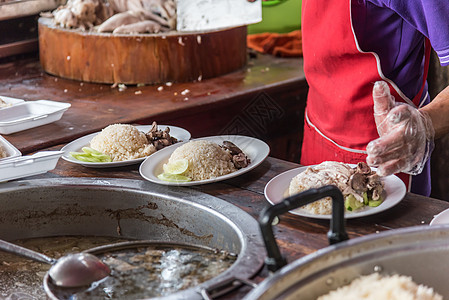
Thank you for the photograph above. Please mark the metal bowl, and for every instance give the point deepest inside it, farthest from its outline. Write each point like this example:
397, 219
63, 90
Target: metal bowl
421, 252
135, 210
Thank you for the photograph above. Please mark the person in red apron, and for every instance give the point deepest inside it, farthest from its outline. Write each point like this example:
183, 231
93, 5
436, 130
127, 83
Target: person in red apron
362, 58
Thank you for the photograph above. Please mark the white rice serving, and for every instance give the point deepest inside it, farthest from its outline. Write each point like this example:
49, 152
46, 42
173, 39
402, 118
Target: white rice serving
206, 160
122, 142
375, 287
328, 172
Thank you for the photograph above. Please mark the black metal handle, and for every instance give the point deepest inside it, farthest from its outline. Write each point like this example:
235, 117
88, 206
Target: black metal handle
223, 287
337, 232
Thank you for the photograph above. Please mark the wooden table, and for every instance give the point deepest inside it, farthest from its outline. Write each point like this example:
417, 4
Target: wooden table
297, 236
95, 106
265, 100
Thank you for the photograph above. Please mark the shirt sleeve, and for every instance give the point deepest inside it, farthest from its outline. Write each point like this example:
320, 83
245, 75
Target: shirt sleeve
430, 17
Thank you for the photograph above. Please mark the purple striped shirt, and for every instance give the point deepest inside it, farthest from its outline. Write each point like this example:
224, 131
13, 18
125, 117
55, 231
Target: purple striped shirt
395, 30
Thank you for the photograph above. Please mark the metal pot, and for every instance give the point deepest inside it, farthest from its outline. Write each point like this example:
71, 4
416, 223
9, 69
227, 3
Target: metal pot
421, 252
135, 210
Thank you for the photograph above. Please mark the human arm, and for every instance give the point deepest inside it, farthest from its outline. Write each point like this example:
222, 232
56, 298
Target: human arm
406, 133
438, 110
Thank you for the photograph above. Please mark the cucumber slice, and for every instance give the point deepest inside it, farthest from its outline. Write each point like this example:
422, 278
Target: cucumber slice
365, 198
351, 203
90, 155
374, 203
173, 177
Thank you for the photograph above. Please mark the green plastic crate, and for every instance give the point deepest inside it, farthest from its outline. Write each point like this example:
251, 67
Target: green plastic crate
280, 16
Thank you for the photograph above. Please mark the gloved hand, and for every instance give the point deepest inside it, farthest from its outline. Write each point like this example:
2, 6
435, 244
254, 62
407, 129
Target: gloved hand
406, 135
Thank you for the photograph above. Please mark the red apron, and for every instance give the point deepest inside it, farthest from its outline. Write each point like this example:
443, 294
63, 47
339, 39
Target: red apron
339, 115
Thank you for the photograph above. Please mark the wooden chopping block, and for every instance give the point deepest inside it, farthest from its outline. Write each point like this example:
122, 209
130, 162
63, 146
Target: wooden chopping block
140, 58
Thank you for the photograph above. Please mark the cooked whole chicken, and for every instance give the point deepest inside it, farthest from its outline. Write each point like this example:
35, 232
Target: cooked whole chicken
118, 16
82, 14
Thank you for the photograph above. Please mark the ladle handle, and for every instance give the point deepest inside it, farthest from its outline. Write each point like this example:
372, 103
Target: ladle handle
15, 249
337, 232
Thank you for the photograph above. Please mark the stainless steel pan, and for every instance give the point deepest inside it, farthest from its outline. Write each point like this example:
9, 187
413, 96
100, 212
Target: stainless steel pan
133, 209
421, 252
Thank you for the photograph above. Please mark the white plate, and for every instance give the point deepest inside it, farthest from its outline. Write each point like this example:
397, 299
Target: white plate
30, 114
277, 189
255, 149
441, 218
76, 146
11, 101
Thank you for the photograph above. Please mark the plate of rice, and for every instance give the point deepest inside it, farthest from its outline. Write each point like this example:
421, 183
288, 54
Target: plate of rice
293, 181
204, 160
122, 144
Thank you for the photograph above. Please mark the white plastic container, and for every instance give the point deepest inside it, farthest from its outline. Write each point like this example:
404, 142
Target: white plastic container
10, 101
30, 114
10, 150
24, 166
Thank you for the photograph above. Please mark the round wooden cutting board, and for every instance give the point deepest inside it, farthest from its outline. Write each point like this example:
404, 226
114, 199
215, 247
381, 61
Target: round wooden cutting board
140, 58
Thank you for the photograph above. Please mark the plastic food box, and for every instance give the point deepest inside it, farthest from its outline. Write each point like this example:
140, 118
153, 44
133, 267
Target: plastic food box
10, 101
30, 114
24, 166
10, 150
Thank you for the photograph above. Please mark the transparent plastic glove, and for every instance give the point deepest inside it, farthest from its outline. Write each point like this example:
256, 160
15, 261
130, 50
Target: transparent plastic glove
406, 135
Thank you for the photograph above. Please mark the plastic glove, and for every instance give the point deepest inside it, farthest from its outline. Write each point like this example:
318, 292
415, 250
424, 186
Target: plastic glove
406, 135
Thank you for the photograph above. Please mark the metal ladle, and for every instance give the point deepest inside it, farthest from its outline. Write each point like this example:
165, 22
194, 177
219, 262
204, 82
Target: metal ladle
73, 270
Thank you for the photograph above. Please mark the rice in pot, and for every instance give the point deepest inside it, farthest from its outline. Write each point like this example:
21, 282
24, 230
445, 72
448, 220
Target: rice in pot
206, 160
122, 142
375, 287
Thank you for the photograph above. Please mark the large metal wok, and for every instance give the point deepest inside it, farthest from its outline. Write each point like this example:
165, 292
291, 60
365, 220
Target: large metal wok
133, 209
421, 252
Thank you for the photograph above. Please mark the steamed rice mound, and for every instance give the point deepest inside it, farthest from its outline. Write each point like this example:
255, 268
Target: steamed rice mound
206, 160
122, 142
376, 287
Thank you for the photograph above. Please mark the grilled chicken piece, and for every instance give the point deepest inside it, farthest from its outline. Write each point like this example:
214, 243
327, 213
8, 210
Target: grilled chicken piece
239, 159
231, 147
160, 138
